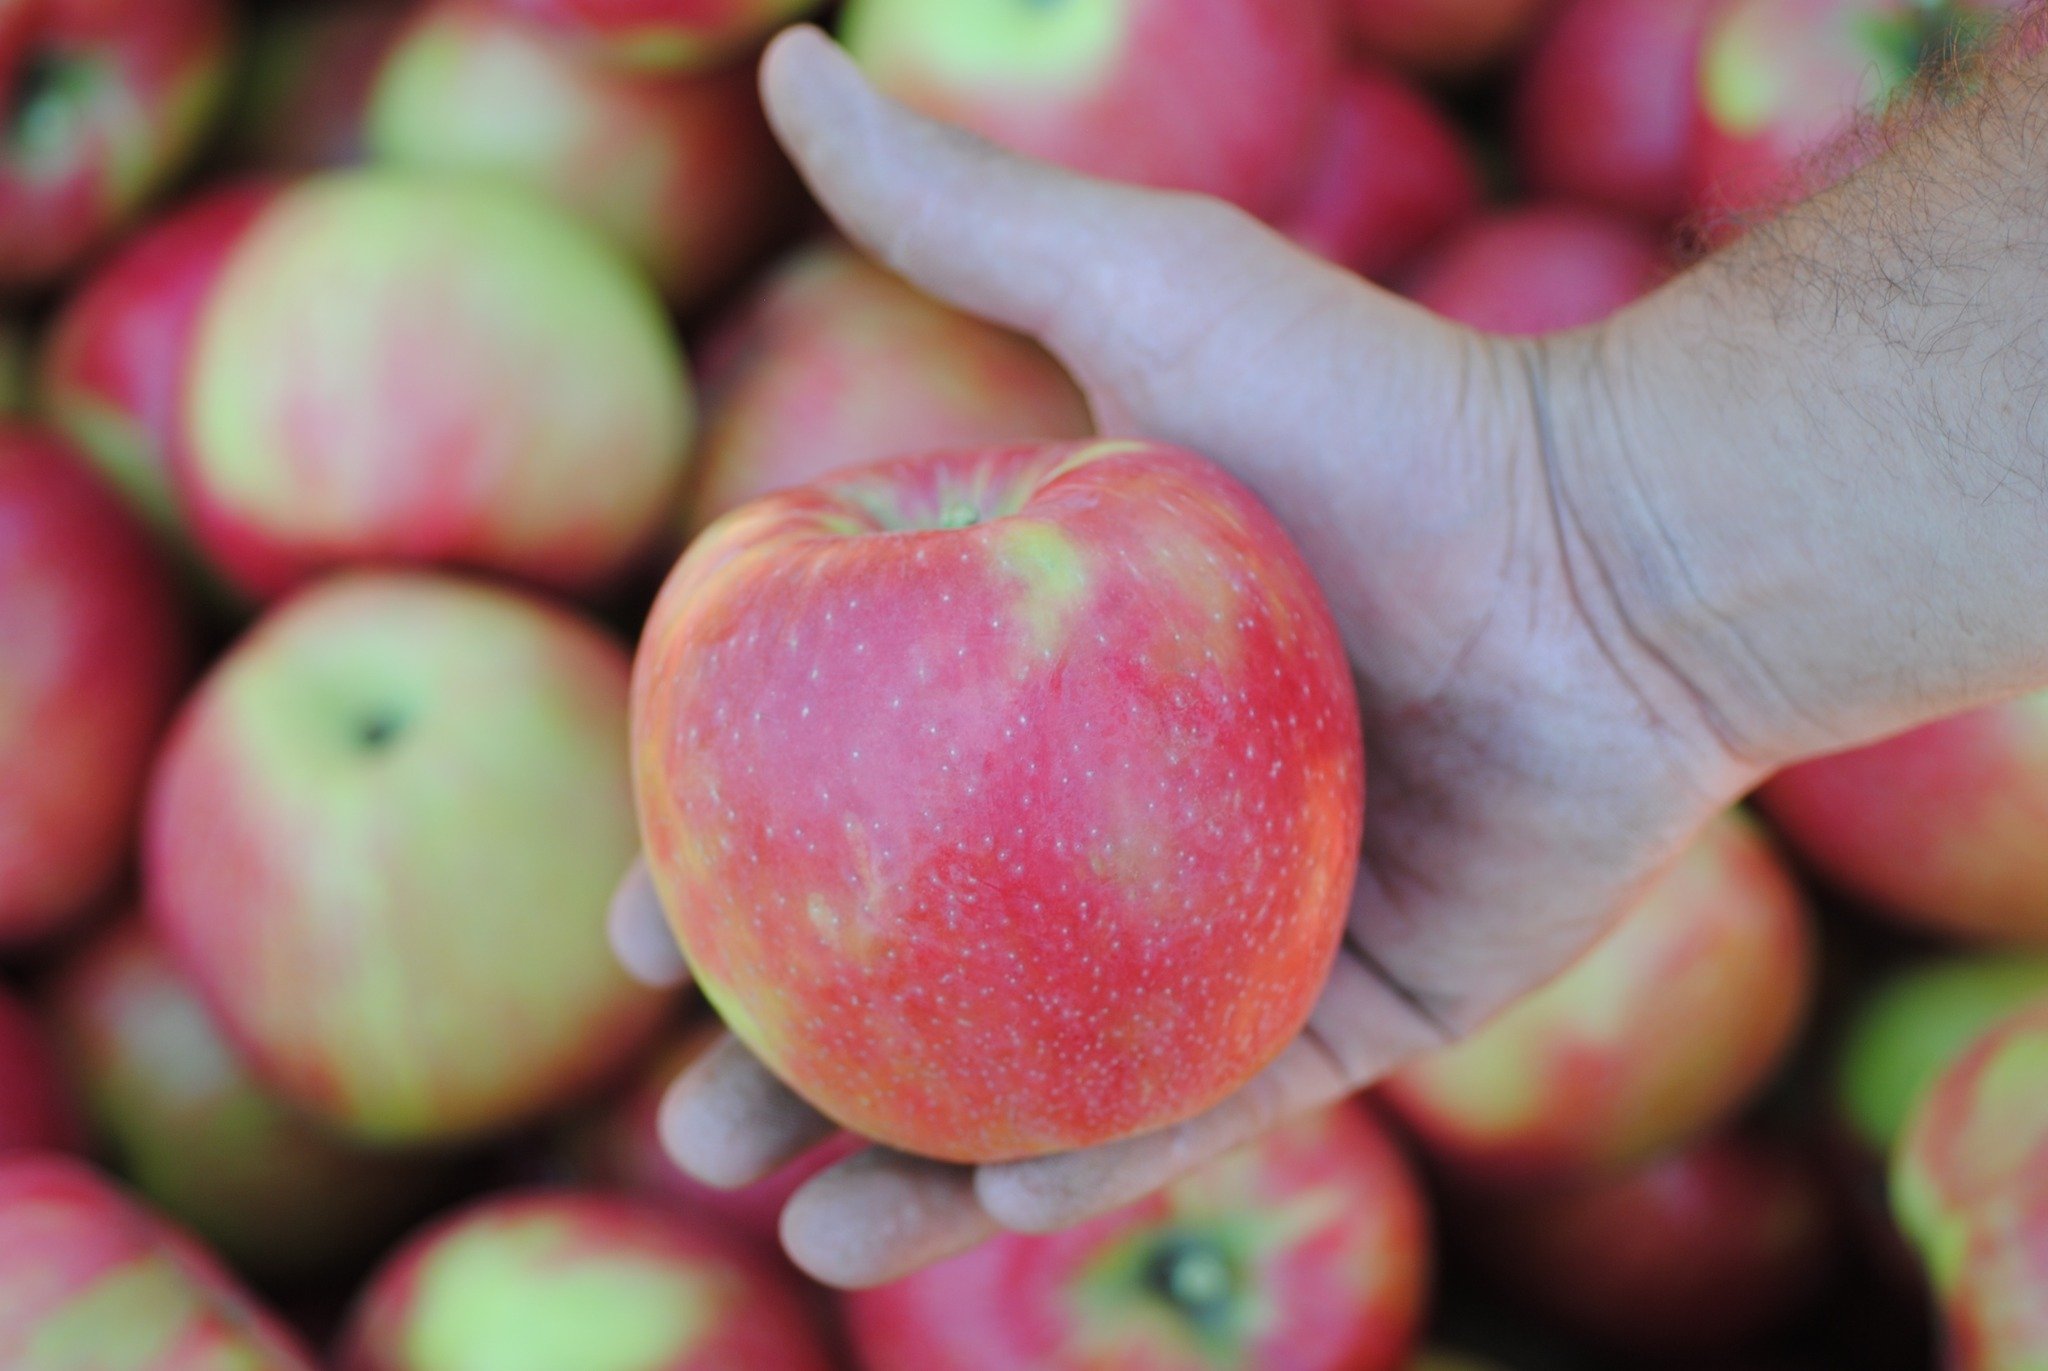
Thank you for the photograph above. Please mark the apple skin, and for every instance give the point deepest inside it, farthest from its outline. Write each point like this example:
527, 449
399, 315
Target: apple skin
1392, 176
1308, 1249
548, 1279
1605, 107
833, 362
1441, 37
1669, 1024
678, 172
1223, 97
1066, 802
89, 1279
620, 1147
305, 91
108, 99
112, 373
1540, 268
1970, 1186
393, 368
1694, 1252
664, 35
1939, 827
380, 841
200, 1138
96, 654
36, 1109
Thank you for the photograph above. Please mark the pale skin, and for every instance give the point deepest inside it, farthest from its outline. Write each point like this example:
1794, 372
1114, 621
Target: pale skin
1594, 586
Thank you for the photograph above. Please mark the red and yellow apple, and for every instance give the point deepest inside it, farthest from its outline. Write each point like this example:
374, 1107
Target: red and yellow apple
1308, 1249
200, 1138
95, 655
1698, 1251
105, 100
36, 1109
1441, 37
90, 1281
1970, 1184
380, 842
305, 90
833, 362
664, 35
398, 368
1667, 1026
679, 172
1003, 802
1604, 110
1940, 827
1391, 176
1540, 268
559, 1279
1225, 97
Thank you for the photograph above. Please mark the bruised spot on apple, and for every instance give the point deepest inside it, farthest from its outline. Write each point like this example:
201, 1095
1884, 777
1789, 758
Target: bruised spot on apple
1307, 1249
1003, 802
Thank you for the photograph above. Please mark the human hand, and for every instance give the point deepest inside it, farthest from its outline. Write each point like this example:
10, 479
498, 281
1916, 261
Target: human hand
1533, 758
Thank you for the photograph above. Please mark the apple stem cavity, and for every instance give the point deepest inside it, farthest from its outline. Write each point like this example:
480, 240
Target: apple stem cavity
1195, 1277
48, 85
378, 730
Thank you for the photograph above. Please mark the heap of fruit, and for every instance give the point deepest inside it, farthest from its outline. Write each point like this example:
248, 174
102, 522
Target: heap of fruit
1005, 801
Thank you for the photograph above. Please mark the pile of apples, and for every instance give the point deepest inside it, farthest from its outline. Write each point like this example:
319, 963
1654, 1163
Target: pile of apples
365, 366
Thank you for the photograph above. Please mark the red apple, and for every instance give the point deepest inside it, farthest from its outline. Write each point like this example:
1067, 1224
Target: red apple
1226, 97
664, 35
1604, 111
36, 1111
1970, 1183
400, 368
679, 172
1695, 1252
380, 842
305, 89
1441, 37
1308, 1250
1541, 268
1065, 796
1667, 1026
95, 656
620, 1147
561, 1279
89, 1281
200, 1138
113, 371
833, 362
1940, 827
1392, 175
105, 100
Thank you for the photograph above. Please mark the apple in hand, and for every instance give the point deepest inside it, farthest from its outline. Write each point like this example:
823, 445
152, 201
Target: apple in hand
1441, 37
1308, 1249
305, 89
1540, 268
1667, 1026
1970, 1184
112, 373
833, 362
1225, 97
1941, 827
620, 1147
95, 655
1694, 1252
1604, 110
1004, 802
90, 1281
200, 1138
36, 1110
105, 100
381, 841
560, 1279
664, 35
397, 368
679, 172
1390, 176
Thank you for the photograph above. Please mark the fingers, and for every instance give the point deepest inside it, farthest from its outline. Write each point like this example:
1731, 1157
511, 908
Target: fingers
640, 935
879, 1215
729, 1122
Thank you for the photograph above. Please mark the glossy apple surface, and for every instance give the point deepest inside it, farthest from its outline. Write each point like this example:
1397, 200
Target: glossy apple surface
1540, 268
